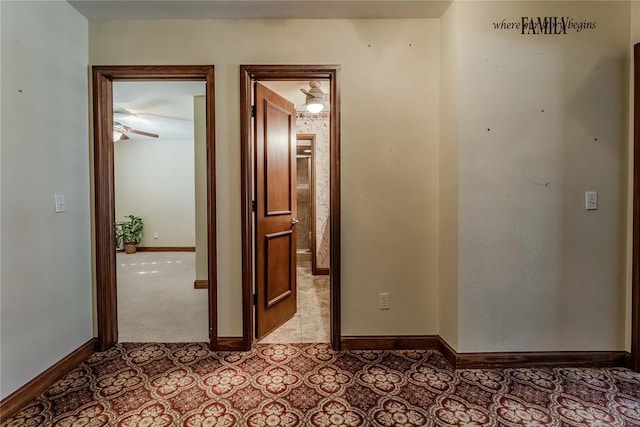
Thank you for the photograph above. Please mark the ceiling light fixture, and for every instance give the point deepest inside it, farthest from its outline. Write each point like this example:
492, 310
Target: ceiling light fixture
315, 97
117, 135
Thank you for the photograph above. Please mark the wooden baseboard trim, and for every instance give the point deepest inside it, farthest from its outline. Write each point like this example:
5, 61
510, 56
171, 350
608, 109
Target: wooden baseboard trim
230, 344
387, 342
592, 359
166, 249
201, 284
13, 403
532, 359
320, 271
448, 352
596, 359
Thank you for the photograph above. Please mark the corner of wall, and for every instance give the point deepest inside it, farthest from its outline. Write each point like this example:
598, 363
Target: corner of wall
448, 181
634, 38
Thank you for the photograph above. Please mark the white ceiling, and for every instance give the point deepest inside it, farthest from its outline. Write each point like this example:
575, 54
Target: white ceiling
291, 91
96, 10
164, 108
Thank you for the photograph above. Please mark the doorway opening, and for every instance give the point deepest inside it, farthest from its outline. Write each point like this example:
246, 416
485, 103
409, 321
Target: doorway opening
106, 239
313, 209
309, 322
160, 180
276, 175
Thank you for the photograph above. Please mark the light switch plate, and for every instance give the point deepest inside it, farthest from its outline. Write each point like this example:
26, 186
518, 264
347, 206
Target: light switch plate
60, 203
591, 200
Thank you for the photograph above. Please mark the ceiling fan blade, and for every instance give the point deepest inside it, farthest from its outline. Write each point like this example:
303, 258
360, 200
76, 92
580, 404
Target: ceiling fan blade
143, 133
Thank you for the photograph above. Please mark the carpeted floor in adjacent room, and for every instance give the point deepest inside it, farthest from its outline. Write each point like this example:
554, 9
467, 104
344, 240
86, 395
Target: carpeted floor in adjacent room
311, 385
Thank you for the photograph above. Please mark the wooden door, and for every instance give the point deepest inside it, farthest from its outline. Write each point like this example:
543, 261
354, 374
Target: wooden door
275, 256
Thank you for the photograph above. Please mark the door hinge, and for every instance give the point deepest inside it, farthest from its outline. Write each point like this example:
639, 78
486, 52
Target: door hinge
253, 111
255, 299
253, 206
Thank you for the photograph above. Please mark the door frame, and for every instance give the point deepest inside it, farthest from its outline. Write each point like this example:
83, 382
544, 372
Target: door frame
104, 188
311, 137
249, 73
635, 254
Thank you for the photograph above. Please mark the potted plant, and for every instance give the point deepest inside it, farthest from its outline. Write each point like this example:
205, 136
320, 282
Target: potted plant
130, 233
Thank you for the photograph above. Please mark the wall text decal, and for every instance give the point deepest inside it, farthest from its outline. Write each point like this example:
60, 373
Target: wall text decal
549, 25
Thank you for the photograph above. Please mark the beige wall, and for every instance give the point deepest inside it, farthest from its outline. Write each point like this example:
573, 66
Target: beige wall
634, 38
154, 179
448, 176
46, 304
389, 155
537, 271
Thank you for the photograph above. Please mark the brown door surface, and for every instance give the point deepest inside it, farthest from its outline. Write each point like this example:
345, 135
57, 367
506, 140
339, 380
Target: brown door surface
275, 156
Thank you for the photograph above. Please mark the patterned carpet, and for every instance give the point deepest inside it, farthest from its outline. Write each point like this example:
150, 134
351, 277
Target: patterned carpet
311, 385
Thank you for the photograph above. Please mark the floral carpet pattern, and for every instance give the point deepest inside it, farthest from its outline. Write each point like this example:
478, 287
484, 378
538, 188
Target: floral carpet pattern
311, 385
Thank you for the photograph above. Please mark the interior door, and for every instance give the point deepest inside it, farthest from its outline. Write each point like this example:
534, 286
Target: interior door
275, 255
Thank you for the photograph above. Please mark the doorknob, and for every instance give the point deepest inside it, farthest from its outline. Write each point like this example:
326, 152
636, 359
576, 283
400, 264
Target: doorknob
294, 221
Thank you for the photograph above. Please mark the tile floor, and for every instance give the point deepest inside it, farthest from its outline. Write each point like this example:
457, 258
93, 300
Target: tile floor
311, 322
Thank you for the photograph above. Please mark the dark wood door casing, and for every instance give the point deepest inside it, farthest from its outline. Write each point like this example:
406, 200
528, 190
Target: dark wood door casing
248, 74
312, 185
635, 274
275, 152
104, 194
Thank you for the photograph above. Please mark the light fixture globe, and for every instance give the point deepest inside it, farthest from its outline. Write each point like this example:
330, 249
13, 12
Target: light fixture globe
117, 135
315, 107
315, 97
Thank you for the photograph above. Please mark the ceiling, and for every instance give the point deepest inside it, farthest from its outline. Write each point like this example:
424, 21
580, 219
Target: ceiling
166, 108
291, 91
100, 10
162, 107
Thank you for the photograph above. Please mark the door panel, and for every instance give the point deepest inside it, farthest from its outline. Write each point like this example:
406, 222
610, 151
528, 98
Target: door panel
275, 151
278, 275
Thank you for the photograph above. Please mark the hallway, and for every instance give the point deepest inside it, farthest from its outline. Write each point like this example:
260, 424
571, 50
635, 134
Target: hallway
311, 322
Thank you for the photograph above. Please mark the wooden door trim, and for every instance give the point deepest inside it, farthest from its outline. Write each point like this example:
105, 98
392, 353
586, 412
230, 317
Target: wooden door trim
311, 137
104, 196
635, 255
288, 72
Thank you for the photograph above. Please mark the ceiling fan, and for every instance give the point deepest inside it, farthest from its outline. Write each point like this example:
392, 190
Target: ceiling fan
120, 131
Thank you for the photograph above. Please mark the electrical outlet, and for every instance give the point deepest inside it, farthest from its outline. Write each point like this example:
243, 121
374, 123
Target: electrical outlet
155, 235
383, 301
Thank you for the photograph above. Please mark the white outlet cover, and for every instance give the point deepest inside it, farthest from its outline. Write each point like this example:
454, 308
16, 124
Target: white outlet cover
383, 301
